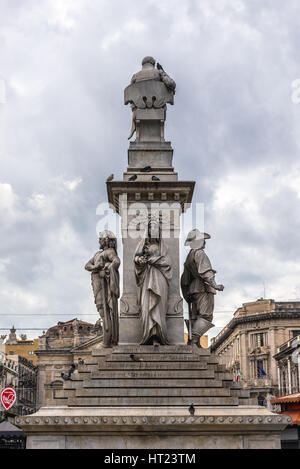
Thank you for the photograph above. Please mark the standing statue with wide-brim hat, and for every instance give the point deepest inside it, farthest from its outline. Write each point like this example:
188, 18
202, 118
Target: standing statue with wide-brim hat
198, 286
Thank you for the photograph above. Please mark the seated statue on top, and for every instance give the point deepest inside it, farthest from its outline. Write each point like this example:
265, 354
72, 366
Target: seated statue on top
150, 88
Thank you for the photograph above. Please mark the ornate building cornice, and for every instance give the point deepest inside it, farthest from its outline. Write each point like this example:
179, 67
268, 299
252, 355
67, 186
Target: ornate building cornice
294, 314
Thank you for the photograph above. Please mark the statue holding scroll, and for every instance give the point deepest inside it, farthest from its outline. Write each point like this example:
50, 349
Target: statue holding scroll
153, 273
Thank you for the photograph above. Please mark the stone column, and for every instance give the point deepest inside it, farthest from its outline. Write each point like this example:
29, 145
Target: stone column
272, 362
130, 324
299, 372
245, 365
41, 381
289, 376
149, 181
279, 379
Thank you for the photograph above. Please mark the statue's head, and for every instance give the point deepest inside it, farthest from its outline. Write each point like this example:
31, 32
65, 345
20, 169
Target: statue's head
153, 228
107, 239
148, 61
196, 239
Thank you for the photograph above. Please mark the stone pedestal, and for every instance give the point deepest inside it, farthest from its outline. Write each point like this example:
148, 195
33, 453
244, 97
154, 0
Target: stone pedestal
160, 428
116, 402
139, 199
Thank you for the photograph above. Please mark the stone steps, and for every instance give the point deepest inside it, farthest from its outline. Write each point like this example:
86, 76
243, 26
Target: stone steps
89, 362
152, 401
154, 392
153, 374
224, 376
241, 393
65, 394
145, 365
150, 357
102, 352
163, 375
150, 349
152, 383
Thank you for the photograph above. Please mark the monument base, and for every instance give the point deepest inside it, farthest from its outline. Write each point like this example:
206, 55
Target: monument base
245, 427
131, 330
135, 397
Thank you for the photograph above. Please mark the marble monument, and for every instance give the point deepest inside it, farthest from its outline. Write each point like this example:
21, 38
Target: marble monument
144, 387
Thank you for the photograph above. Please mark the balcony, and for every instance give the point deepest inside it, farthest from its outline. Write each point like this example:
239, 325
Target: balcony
258, 382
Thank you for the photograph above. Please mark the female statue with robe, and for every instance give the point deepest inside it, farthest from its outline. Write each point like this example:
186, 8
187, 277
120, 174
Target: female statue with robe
105, 283
153, 273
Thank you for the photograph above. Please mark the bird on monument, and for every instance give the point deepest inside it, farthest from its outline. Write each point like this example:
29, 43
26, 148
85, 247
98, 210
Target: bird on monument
110, 178
155, 178
133, 178
80, 361
147, 169
134, 358
192, 409
67, 377
159, 67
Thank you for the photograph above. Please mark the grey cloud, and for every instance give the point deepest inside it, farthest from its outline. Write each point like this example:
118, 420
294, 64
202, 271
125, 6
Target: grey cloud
66, 64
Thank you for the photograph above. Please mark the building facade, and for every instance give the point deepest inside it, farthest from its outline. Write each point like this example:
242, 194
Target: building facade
288, 366
248, 343
288, 402
59, 348
22, 346
21, 374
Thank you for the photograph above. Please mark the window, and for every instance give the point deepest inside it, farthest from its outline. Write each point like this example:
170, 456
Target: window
31, 352
11, 352
284, 386
259, 340
295, 333
261, 373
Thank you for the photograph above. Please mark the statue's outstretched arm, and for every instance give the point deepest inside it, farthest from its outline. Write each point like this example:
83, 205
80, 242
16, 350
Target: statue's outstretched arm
209, 278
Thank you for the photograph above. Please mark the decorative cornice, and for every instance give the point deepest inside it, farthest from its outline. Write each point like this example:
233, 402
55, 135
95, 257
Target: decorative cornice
254, 318
181, 191
32, 421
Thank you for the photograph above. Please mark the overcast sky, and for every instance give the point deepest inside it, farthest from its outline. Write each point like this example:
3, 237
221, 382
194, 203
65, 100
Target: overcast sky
63, 129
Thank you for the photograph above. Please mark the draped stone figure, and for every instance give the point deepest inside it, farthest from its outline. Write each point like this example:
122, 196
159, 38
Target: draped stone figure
105, 283
153, 273
198, 286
